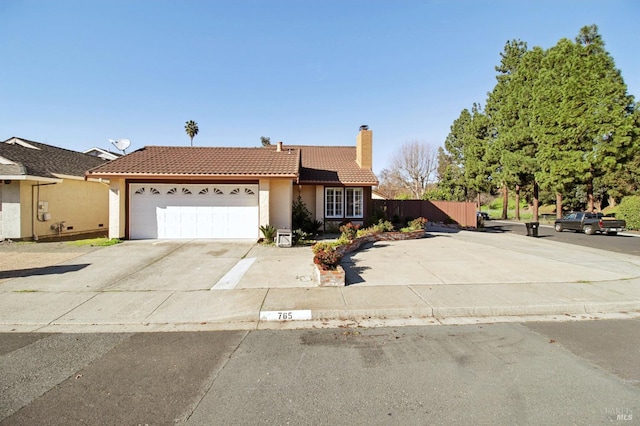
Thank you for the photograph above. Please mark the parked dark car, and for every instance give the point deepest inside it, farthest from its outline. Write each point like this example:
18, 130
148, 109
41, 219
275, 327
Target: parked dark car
590, 223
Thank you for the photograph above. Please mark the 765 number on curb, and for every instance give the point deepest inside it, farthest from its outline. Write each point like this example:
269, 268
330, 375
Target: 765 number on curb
285, 315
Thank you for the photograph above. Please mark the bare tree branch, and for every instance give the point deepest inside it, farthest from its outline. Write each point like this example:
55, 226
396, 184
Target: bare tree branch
413, 167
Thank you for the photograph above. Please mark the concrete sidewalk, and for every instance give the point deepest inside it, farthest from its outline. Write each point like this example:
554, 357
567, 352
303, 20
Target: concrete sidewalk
447, 278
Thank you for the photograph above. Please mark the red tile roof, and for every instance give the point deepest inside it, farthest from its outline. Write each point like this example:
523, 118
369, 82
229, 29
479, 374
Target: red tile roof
309, 164
333, 164
170, 161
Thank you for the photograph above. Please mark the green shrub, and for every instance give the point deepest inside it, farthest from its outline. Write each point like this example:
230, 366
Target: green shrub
299, 236
343, 240
324, 246
302, 219
629, 210
349, 231
315, 225
333, 227
377, 216
364, 231
269, 232
417, 224
381, 226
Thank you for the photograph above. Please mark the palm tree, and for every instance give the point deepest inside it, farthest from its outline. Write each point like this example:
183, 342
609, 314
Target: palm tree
191, 127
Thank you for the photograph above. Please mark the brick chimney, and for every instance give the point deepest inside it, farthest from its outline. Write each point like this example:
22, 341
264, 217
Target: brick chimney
364, 148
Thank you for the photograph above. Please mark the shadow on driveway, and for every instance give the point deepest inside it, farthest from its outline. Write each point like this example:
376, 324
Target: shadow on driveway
351, 270
47, 270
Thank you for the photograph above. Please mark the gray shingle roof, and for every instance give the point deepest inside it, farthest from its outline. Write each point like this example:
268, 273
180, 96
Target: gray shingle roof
45, 160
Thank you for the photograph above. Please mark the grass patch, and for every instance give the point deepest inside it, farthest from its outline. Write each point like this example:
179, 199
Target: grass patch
25, 291
95, 242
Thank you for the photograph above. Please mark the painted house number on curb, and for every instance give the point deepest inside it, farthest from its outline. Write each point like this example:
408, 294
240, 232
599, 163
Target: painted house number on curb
285, 315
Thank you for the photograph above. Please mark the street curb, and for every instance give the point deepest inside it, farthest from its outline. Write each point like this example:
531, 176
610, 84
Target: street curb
331, 318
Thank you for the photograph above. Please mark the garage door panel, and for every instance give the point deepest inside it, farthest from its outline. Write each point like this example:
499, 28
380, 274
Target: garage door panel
243, 220
193, 211
204, 221
187, 221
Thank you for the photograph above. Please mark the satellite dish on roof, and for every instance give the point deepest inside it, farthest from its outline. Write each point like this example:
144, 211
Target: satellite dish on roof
121, 144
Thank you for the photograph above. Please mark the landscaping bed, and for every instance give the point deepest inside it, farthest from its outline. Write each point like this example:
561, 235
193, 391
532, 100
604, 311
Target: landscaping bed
327, 255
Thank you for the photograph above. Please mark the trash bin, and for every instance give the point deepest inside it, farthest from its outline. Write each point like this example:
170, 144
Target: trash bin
532, 229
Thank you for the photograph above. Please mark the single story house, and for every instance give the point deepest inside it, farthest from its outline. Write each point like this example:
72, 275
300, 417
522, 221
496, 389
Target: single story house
216, 192
102, 153
44, 192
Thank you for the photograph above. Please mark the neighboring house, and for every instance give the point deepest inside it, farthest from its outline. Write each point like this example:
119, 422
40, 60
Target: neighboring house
211, 192
44, 193
377, 195
102, 153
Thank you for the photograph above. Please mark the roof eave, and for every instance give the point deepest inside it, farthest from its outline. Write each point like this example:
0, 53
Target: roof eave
189, 176
30, 178
334, 182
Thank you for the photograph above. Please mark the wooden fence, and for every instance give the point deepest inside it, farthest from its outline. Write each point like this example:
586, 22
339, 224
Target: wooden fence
464, 214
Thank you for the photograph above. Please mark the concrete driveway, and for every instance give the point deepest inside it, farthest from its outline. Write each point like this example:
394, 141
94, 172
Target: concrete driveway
190, 265
149, 265
153, 265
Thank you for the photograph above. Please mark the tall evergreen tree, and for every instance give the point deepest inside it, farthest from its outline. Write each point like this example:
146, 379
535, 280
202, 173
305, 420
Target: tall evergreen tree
508, 107
452, 175
584, 115
476, 141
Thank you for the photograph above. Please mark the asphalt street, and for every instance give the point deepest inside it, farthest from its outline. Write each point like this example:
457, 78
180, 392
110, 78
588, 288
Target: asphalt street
627, 243
583, 373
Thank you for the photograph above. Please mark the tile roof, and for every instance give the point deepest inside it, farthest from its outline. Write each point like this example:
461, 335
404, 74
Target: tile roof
171, 161
45, 160
311, 164
333, 164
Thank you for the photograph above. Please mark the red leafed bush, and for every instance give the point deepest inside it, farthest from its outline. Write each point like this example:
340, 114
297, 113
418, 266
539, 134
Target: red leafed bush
327, 259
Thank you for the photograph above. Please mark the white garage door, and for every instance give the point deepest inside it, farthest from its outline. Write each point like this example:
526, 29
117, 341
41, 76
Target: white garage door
193, 211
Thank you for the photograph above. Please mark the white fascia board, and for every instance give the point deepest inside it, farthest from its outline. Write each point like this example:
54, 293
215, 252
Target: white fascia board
21, 142
6, 161
69, 177
99, 180
27, 177
82, 178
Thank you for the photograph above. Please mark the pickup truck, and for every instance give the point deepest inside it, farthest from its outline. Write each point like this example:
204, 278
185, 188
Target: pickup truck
590, 223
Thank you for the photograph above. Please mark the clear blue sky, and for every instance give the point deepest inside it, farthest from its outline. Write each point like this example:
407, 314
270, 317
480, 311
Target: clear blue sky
76, 73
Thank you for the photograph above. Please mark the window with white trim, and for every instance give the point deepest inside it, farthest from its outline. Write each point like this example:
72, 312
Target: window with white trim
354, 199
333, 202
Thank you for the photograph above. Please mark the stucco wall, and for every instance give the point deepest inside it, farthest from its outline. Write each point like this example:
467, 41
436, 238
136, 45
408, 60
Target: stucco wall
10, 209
308, 193
280, 202
264, 202
81, 205
117, 208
